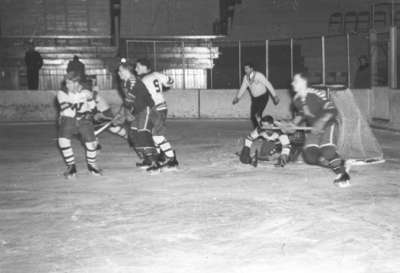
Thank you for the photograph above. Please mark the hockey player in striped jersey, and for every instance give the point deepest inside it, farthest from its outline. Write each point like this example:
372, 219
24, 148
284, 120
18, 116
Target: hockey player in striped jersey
314, 108
155, 83
278, 143
76, 114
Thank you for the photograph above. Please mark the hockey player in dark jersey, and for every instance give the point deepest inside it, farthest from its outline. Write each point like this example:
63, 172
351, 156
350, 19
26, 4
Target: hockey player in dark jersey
138, 102
314, 108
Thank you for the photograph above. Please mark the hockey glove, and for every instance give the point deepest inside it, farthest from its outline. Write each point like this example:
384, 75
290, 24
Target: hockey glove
245, 155
287, 127
118, 120
275, 100
100, 117
282, 160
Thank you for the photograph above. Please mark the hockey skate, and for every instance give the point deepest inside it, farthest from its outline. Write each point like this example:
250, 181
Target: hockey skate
94, 170
282, 161
171, 164
154, 168
70, 172
342, 180
146, 163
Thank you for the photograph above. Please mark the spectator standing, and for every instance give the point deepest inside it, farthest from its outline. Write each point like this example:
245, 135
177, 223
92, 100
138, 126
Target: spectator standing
34, 62
76, 66
363, 73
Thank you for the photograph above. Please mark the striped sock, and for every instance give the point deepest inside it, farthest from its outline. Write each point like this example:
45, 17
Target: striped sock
164, 145
66, 150
91, 152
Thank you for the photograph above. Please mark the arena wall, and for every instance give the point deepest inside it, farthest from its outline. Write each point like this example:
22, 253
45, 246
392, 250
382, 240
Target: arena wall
24, 105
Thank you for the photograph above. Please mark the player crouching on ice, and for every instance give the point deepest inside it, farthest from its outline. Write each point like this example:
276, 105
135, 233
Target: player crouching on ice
76, 117
276, 145
314, 107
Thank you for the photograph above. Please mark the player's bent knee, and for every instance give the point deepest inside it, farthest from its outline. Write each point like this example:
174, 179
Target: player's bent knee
158, 139
91, 145
329, 152
64, 142
311, 155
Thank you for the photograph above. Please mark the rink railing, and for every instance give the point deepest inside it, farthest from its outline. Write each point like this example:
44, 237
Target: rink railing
329, 59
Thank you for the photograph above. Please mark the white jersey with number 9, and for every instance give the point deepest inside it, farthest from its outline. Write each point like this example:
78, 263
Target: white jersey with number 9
155, 82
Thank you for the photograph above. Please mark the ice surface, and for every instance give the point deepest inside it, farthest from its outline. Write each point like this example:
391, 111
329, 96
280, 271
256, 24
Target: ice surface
214, 215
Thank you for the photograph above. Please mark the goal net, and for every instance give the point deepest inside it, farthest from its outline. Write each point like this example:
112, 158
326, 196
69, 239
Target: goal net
356, 139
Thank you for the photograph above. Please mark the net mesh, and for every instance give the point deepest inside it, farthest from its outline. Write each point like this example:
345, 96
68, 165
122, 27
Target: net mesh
356, 139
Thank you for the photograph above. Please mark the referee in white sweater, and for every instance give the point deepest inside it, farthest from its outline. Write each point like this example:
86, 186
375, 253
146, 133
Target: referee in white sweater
260, 89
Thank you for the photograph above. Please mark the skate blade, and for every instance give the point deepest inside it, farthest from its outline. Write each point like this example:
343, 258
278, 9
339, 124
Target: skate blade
342, 184
154, 172
169, 169
70, 176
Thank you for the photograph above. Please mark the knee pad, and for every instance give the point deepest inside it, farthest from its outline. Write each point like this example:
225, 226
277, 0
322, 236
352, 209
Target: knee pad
158, 139
64, 142
91, 146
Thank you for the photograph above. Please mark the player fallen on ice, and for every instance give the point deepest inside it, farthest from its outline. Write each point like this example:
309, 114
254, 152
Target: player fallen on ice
314, 108
156, 83
138, 102
76, 117
275, 146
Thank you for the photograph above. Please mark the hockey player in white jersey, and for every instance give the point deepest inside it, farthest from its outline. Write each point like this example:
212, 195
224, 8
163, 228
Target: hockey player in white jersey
76, 113
155, 83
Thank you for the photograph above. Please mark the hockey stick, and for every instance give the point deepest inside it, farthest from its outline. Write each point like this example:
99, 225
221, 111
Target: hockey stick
102, 128
106, 125
296, 128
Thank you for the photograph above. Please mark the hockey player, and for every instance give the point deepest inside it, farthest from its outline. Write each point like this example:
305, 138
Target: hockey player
138, 102
155, 83
76, 113
318, 111
275, 140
